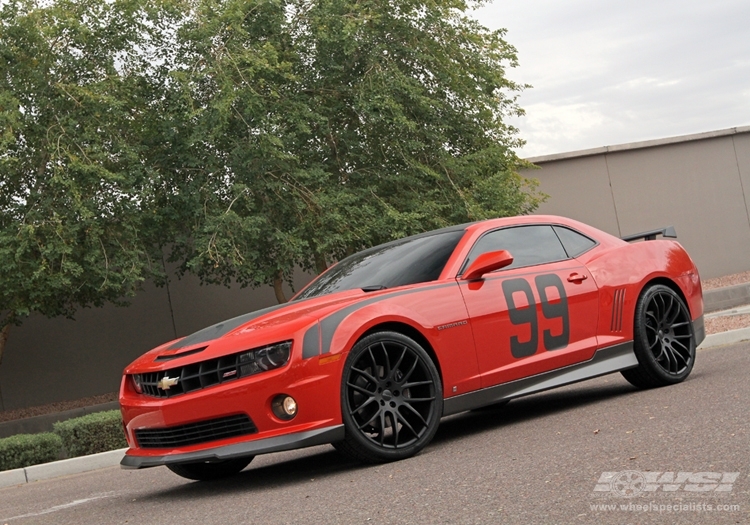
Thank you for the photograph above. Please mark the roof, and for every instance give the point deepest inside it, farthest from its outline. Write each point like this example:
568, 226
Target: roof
640, 145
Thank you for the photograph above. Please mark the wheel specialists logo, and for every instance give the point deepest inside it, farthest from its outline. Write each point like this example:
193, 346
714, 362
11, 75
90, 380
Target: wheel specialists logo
632, 483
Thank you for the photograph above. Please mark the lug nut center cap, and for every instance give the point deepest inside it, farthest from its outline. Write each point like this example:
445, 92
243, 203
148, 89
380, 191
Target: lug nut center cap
387, 395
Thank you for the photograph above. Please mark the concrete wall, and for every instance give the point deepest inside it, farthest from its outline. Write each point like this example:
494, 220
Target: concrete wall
699, 184
50, 360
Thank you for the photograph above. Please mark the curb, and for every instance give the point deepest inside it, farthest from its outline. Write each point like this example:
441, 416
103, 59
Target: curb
726, 297
63, 467
725, 338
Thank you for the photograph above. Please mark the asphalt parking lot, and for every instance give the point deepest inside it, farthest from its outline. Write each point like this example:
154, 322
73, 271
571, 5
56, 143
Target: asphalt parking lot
595, 452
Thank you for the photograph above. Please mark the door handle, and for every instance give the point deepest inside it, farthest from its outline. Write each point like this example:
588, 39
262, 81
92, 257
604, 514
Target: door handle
577, 278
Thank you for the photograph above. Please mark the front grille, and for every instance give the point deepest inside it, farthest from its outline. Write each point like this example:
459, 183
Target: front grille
190, 377
195, 433
183, 379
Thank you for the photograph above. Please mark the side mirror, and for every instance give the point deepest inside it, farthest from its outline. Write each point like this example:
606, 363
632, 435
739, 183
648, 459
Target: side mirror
486, 263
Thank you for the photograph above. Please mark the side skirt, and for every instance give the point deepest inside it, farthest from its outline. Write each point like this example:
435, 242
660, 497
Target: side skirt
605, 361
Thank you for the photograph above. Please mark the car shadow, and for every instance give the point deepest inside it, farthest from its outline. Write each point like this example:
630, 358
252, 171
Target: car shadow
329, 462
526, 408
278, 474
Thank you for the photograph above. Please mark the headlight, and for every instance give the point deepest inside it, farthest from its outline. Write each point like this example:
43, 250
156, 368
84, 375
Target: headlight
263, 359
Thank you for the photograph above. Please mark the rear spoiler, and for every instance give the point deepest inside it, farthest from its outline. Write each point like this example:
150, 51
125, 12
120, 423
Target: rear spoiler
668, 233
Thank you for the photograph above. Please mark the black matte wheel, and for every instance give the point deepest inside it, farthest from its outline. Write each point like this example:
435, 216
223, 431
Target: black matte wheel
211, 470
663, 339
391, 399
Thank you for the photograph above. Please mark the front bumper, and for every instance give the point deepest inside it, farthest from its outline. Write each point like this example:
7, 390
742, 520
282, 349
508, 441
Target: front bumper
250, 448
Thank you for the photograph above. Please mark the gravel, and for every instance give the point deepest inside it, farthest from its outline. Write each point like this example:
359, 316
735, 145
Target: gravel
726, 323
716, 325
51, 408
727, 280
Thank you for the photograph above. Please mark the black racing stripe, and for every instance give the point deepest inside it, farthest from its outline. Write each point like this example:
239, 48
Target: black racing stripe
219, 329
311, 342
330, 324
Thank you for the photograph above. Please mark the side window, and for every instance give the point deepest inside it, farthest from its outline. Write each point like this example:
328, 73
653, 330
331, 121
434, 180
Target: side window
529, 245
575, 243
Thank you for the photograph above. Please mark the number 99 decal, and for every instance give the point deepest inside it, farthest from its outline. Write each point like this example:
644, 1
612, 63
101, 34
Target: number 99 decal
528, 315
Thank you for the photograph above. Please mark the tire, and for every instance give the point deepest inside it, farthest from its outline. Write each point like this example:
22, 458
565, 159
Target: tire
211, 470
663, 339
391, 399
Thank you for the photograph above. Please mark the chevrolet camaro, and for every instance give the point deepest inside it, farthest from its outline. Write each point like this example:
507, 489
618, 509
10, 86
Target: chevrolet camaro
376, 350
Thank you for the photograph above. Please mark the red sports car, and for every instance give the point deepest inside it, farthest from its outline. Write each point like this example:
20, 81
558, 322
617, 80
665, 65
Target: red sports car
373, 352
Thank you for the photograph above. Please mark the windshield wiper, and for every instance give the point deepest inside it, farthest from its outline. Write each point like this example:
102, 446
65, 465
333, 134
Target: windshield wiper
373, 288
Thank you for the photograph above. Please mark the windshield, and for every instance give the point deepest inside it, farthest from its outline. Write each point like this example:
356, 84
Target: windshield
407, 261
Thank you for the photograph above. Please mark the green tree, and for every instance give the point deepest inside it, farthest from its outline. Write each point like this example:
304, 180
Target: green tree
225, 198
317, 128
74, 108
250, 136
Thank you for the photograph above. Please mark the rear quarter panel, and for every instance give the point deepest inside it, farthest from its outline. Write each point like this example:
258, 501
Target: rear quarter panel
623, 271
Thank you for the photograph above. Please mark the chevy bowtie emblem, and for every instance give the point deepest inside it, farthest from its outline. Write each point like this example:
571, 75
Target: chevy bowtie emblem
167, 382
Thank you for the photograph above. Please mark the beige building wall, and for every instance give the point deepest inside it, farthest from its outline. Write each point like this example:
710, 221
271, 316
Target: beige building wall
578, 188
699, 184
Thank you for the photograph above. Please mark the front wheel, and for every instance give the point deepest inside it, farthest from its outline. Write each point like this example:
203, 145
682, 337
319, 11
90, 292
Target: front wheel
210, 470
663, 339
391, 399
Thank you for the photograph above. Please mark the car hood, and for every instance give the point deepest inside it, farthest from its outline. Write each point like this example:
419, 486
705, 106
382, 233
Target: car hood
253, 329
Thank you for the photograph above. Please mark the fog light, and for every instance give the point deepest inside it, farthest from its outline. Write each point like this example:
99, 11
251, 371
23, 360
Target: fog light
284, 407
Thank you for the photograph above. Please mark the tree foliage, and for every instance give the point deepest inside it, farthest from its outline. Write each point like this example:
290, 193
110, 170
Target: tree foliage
322, 127
73, 103
245, 137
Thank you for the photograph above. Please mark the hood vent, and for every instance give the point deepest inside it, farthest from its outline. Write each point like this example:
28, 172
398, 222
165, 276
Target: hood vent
167, 357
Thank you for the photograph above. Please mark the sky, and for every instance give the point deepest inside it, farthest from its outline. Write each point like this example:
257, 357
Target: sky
611, 72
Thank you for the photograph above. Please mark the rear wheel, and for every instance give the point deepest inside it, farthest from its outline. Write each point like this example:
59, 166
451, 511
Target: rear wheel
663, 339
391, 399
210, 470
